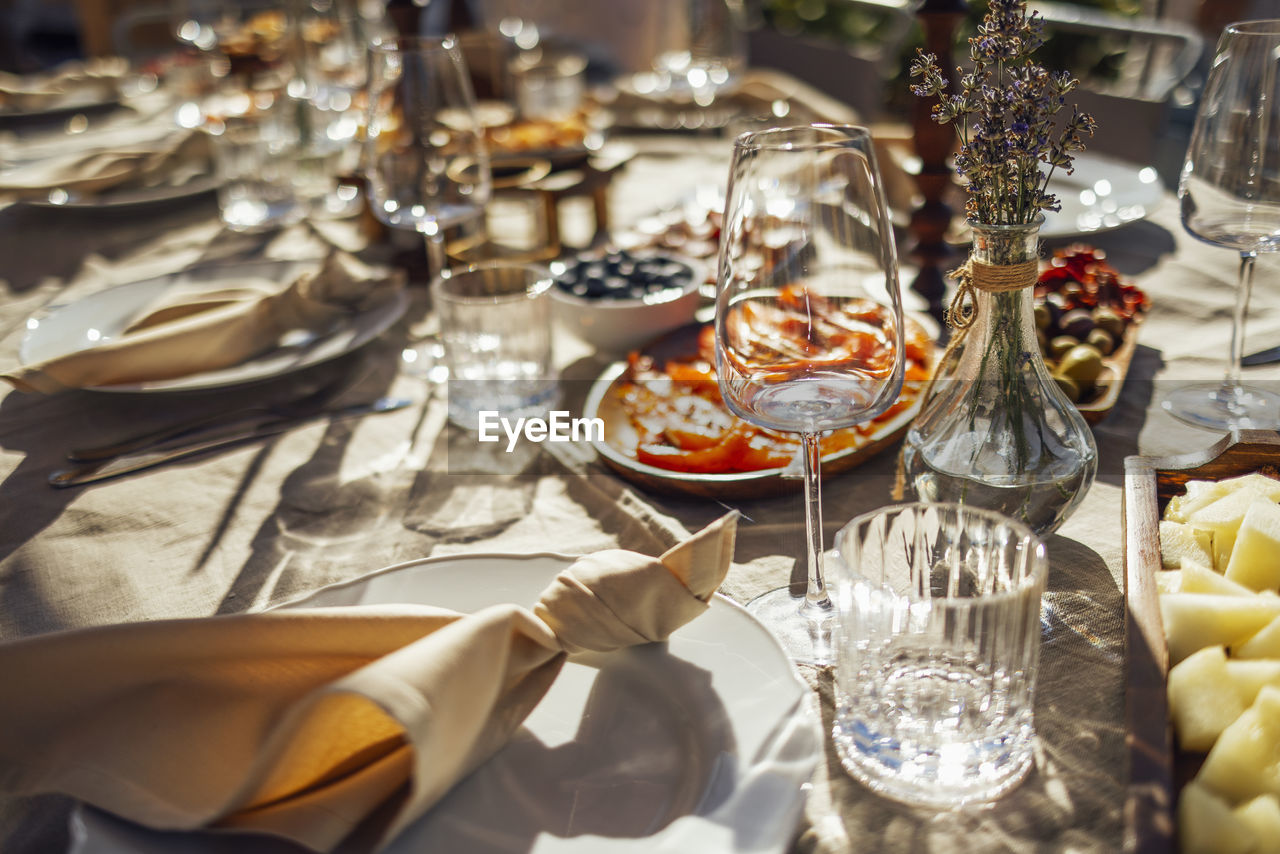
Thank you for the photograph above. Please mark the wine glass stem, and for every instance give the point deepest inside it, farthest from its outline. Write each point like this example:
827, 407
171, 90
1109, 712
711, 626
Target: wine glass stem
1244, 290
817, 605
437, 257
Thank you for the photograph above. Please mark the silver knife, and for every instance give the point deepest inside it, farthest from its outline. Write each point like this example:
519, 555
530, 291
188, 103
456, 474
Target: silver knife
1263, 357
126, 463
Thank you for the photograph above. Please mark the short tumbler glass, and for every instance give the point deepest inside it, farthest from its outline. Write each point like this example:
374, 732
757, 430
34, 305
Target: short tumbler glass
495, 324
937, 650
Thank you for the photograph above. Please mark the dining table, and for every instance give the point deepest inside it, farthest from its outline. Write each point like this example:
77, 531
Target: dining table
265, 522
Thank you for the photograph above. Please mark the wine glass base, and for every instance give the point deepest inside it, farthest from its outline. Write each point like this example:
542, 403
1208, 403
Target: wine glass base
425, 360
805, 640
1216, 406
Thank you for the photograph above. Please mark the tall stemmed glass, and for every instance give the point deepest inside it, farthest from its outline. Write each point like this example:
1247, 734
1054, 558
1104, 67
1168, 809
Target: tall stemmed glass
255, 37
1230, 194
808, 319
425, 155
333, 70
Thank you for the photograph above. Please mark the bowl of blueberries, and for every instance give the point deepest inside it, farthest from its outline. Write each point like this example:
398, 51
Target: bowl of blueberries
620, 300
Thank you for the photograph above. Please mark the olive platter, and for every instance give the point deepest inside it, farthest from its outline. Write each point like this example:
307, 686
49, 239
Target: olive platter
1086, 322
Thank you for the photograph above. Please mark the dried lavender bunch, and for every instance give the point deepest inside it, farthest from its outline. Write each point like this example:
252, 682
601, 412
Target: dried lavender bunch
1004, 116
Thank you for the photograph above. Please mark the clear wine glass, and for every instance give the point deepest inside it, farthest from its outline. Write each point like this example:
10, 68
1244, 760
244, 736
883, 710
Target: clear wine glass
809, 334
247, 55
425, 157
333, 38
708, 53
256, 38
1230, 196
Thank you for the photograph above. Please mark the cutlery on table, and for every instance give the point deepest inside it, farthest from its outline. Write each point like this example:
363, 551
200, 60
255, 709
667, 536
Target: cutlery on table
309, 403
1262, 357
199, 441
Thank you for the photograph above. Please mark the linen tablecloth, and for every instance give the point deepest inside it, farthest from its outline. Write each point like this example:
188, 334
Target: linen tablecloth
263, 523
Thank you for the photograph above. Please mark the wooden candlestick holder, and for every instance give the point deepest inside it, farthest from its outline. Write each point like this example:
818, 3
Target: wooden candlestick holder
934, 145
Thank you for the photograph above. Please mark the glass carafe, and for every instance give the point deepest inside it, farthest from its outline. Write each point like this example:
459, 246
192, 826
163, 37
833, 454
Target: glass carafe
996, 431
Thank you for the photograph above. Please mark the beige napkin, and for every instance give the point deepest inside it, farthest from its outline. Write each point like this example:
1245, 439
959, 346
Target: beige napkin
89, 172
41, 90
323, 726
230, 328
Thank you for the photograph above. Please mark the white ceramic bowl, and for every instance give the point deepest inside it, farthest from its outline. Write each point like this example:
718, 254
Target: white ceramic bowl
617, 325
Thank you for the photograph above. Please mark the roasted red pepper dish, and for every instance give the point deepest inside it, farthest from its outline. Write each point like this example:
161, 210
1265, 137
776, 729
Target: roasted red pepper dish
681, 423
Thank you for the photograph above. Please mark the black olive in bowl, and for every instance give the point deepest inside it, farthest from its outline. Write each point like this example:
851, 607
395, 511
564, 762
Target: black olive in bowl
621, 300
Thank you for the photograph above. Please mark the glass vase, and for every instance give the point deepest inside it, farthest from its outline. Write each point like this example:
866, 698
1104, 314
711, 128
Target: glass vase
996, 431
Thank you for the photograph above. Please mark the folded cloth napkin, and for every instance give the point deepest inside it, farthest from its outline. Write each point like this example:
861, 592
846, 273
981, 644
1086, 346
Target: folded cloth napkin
334, 728
37, 91
202, 332
92, 171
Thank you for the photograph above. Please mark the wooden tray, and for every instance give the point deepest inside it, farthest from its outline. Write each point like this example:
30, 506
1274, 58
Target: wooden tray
1154, 770
1114, 370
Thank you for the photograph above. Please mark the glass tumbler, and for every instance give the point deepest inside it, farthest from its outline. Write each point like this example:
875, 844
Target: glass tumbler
937, 650
495, 325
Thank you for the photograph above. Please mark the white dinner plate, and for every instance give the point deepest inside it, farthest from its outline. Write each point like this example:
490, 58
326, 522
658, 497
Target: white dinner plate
185, 179
700, 744
83, 100
1101, 194
101, 316
134, 197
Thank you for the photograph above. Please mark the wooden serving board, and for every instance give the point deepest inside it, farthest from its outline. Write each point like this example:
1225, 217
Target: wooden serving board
1114, 370
1155, 772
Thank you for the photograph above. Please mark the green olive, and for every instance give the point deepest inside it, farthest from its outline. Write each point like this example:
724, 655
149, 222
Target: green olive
1068, 386
1062, 345
1108, 319
1082, 363
1101, 339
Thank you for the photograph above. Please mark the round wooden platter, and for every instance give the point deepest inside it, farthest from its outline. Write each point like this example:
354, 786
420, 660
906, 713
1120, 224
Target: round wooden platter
604, 402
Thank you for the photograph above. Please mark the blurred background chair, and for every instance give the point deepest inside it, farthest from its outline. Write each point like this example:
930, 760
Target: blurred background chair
36, 34
141, 32
853, 65
618, 37
1147, 84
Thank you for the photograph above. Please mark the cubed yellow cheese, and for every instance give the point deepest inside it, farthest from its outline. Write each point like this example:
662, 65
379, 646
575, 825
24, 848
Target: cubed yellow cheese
1250, 675
1255, 559
1202, 493
1262, 816
1264, 644
1197, 578
1193, 621
1223, 518
1207, 825
1180, 543
1203, 701
1259, 483
1199, 493
1245, 760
